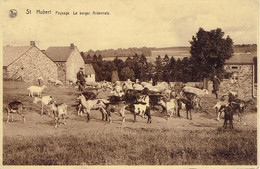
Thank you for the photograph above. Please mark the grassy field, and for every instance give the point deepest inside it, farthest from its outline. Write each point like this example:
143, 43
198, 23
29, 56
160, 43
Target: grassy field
178, 141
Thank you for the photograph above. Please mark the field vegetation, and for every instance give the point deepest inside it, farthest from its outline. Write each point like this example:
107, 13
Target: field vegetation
178, 141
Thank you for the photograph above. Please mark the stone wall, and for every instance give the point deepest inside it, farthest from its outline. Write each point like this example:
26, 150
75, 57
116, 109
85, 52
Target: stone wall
240, 82
31, 65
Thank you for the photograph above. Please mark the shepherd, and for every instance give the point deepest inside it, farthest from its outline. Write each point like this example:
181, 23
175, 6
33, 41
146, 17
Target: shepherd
81, 79
216, 83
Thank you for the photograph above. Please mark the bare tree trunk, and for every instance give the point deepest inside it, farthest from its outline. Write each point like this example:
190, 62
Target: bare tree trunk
205, 83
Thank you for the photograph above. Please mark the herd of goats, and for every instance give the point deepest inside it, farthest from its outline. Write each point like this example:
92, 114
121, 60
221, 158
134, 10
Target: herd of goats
137, 98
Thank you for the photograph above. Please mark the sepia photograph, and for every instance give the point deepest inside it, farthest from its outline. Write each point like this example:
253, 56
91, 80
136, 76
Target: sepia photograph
120, 83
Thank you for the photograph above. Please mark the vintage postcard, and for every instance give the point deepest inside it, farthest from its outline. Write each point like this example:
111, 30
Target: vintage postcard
120, 83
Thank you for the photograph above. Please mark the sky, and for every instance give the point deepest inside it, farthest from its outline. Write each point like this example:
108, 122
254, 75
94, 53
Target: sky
130, 23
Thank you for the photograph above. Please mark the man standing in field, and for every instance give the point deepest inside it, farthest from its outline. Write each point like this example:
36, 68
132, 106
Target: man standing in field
81, 79
216, 83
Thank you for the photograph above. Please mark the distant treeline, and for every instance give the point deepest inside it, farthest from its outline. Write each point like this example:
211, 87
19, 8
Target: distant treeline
147, 51
121, 52
136, 67
243, 48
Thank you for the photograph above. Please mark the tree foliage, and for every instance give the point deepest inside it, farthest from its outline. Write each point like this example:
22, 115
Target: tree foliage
210, 49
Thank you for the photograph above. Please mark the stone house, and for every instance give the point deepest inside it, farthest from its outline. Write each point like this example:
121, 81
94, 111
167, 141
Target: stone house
90, 74
68, 60
243, 78
27, 63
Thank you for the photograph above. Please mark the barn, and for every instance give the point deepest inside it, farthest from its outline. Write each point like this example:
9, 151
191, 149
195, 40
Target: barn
243, 78
27, 63
90, 74
68, 60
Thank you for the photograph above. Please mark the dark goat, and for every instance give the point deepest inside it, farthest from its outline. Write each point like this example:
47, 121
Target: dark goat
194, 99
15, 107
184, 104
238, 105
229, 111
155, 99
140, 109
131, 96
89, 95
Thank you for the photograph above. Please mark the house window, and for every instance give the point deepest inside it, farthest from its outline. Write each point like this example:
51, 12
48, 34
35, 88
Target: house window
234, 67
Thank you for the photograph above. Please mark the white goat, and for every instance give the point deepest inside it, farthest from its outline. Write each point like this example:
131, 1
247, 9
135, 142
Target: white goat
52, 81
59, 111
45, 100
220, 108
140, 109
117, 91
138, 87
196, 91
89, 105
58, 82
170, 106
36, 89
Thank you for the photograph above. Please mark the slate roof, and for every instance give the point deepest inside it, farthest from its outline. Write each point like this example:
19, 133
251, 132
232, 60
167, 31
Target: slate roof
241, 58
89, 69
60, 53
12, 53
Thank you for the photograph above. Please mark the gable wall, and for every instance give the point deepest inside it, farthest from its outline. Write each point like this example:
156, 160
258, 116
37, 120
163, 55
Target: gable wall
243, 84
31, 65
74, 63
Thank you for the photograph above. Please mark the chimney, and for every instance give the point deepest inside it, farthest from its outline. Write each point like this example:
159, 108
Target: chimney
72, 46
32, 43
43, 51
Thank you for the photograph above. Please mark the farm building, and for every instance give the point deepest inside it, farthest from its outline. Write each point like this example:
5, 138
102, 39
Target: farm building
243, 80
27, 63
68, 60
90, 74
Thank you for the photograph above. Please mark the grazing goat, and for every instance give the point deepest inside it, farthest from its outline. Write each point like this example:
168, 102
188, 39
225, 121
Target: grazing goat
15, 107
229, 111
196, 91
36, 89
45, 100
59, 111
140, 109
184, 104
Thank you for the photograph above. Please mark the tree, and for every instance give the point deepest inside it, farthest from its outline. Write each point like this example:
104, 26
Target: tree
210, 49
114, 76
88, 58
94, 58
127, 73
158, 69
